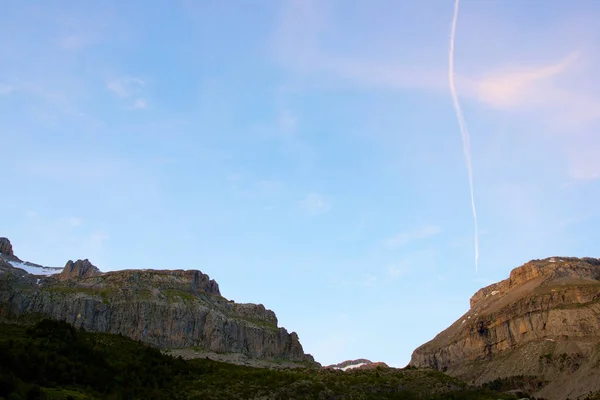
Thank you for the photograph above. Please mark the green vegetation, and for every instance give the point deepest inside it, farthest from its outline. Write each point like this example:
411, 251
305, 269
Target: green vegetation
53, 360
519, 384
562, 361
261, 323
90, 291
172, 295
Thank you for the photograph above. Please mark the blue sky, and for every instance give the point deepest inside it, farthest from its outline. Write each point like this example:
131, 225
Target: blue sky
305, 154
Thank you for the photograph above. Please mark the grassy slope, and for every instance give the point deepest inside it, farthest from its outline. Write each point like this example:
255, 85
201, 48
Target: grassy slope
52, 360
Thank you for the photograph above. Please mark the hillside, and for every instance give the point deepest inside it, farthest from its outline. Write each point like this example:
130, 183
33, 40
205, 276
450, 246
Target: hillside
53, 360
542, 322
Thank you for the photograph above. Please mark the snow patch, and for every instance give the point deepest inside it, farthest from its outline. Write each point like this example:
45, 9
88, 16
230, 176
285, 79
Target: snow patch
34, 269
552, 260
495, 292
352, 366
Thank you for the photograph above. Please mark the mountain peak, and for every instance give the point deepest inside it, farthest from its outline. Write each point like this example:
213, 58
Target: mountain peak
543, 272
6, 247
79, 269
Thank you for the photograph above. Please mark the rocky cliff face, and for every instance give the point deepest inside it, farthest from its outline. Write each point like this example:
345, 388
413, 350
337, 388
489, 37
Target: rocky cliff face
166, 309
543, 321
79, 269
6, 247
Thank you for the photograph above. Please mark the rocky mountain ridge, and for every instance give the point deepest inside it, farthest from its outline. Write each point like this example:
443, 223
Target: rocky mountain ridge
168, 309
543, 321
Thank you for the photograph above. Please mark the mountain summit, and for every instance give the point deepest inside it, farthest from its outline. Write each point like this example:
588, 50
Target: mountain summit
542, 323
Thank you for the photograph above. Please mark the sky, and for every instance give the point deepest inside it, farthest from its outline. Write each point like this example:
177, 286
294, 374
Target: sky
304, 153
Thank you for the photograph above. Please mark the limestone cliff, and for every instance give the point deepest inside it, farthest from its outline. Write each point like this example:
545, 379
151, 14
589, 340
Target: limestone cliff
164, 308
543, 321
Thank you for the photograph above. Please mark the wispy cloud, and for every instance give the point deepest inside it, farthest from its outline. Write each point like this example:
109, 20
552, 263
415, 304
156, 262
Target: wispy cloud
74, 42
370, 280
128, 87
565, 102
125, 87
74, 170
404, 238
584, 160
396, 270
287, 121
521, 86
554, 87
6, 89
315, 204
139, 104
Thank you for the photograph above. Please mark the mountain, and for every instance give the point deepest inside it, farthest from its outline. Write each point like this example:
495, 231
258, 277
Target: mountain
539, 328
162, 308
361, 363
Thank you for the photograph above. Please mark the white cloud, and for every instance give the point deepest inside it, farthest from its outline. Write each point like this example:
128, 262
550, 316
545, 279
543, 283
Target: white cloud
524, 86
139, 104
130, 88
404, 238
125, 87
315, 204
550, 81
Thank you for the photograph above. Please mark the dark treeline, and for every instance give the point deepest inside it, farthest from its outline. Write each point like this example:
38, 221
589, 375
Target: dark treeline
53, 360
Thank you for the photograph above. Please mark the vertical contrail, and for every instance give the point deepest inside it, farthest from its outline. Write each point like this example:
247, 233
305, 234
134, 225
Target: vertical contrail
466, 140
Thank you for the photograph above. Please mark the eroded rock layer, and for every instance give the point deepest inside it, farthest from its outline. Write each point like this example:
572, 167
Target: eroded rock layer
543, 321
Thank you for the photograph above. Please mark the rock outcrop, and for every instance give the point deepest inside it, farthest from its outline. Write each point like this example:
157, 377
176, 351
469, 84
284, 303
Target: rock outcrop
6, 247
163, 308
79, 269
543, 321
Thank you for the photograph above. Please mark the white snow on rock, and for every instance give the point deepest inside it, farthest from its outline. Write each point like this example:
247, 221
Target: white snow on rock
352, 366
34, 269
495, 292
